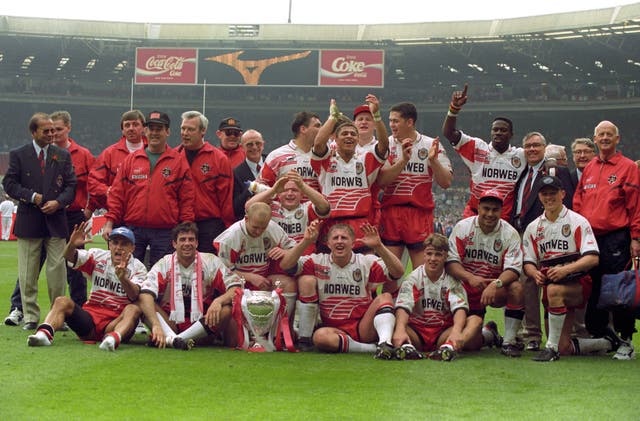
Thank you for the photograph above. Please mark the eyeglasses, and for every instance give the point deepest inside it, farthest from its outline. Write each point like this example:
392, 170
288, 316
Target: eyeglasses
533, 145
583, 152
232, 132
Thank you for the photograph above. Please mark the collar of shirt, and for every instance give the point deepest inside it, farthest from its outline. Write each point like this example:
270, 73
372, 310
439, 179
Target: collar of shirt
254, 166
38, 149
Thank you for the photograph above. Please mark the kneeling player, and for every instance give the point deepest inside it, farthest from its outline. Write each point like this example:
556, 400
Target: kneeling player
341, 284
431, 308
194, 293
561, 234
116, 276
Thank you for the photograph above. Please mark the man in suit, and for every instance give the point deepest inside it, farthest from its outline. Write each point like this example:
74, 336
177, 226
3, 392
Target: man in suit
41, 178
582, 150
528, 207
247, 170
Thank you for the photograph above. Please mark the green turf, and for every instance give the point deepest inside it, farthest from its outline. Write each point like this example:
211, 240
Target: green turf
71, 380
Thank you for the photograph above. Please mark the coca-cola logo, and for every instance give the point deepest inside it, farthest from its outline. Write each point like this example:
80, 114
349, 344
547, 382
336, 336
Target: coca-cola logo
164, 64
347, 65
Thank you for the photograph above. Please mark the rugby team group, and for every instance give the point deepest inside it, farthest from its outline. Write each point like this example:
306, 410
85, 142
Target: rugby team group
322, 229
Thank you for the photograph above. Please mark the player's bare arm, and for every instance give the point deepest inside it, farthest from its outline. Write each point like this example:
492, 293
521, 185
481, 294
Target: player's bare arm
147, 303
124, 275
267, 195
276, 253
293, 254
400, 335
459, 321
372, 240
322, 137
259, 281
78, 238
583, 264
319, 201
388, 173
214, 313
382, 147
532, 271
458, 99
441, 175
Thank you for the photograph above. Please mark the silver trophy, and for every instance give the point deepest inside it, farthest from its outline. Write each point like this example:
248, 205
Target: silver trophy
260, 309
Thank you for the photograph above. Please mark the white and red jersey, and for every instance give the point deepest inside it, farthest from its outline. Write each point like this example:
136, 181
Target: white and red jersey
342, 289
106, 289
347, 184
216, 279
414, 184
240, 251
491, 169
295, 221
485, 255
284, 159
431, 304
570, 233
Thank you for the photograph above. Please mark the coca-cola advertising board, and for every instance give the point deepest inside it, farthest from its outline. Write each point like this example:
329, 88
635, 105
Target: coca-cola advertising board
363, 68
166, 66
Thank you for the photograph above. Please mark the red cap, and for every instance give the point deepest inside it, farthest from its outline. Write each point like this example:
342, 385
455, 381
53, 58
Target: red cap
361, 109
492, 194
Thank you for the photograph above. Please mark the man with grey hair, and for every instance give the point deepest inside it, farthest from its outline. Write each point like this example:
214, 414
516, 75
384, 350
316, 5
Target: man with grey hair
212, 176
556, 155
582, 150
608, 195
528, 207
248, 170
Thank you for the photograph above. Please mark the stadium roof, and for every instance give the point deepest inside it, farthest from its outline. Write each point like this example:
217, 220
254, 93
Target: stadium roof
591, 23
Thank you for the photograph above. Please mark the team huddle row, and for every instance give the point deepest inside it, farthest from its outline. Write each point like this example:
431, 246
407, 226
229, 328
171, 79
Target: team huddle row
343, 197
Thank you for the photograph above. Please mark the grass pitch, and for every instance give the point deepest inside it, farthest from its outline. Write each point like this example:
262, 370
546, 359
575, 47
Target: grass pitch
71, 380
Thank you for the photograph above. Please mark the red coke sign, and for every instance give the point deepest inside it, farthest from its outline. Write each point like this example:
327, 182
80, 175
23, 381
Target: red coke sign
363, 68
166, 66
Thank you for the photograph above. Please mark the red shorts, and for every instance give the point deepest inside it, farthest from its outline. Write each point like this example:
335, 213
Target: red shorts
473, 297
101, 317
349, 326
429, 335
585, 283
405, 225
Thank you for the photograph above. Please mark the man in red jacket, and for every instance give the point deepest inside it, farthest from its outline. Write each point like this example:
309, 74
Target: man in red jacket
212, 179
152, 193
106, 166
607, 195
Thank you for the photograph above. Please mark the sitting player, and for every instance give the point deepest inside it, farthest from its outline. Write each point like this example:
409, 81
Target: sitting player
431, 308
109, 314
193, 292
341, 285
287, 211
252, 248
485, 255
561, 234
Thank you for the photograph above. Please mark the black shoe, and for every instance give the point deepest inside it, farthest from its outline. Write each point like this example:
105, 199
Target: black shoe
384, 351
511, 350
444, 353
533, 345
305, 345
547, 354
30, 326
183, 344
408, 352
611, 336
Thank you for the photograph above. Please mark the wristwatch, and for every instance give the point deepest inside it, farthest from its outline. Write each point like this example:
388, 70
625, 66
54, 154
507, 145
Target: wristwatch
498, 283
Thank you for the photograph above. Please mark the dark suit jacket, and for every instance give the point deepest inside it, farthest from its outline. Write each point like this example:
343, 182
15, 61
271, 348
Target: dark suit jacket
241, 194
574, 178
24, 178
533, 206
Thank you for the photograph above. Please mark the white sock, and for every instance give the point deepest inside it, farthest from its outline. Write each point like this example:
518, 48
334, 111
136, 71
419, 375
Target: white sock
195, 331
511, 327
355, 346
166, 329
39, 339
290, 299
307, 318
556, 321
108, 343
591, 345
384, 324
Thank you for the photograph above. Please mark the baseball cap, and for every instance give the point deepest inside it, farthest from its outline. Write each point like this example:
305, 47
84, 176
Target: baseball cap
123, 232
361, 109
158, 117
491, 194
550, 181
229, 123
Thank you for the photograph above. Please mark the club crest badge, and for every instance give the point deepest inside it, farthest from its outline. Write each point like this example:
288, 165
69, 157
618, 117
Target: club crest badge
566, 230
267, 243
59, 181
205, 168
423, 153
357, 275
497, 245
299, 214
359, 168
166, 172
516, 162
612, 179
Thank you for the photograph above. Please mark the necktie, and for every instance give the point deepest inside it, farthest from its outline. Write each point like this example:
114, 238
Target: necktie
526, 191
41, 159
258, 169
